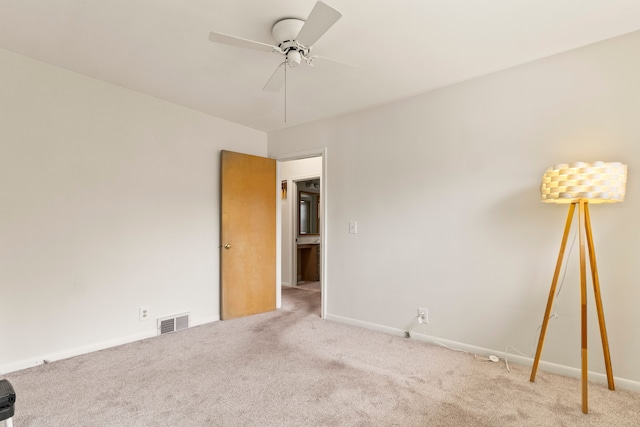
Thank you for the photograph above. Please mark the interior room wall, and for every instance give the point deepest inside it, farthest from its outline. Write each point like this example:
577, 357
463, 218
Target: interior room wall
291, 171
109, 201
445, 189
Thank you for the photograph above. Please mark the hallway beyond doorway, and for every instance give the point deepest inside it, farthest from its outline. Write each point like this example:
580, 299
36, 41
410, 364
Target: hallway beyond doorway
310, 286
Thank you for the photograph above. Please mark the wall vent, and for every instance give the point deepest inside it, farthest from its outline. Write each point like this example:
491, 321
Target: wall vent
173, 323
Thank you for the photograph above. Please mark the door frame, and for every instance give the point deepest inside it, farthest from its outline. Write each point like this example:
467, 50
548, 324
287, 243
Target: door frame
324, 283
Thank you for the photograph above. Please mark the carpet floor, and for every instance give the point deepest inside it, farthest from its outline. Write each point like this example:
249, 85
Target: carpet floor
310, 286
291, 368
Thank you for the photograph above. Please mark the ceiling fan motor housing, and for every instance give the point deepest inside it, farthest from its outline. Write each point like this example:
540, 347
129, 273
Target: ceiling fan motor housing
284, 33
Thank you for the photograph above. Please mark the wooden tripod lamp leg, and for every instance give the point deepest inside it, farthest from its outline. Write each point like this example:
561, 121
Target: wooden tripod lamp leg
552, 292
583, 310
599, 309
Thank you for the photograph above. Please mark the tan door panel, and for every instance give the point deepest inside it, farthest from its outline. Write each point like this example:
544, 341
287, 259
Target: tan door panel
248, 235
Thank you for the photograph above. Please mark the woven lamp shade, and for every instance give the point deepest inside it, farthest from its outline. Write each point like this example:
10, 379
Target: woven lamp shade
597, 182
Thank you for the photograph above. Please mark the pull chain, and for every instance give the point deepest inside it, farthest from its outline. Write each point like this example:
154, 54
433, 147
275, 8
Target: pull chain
285, 91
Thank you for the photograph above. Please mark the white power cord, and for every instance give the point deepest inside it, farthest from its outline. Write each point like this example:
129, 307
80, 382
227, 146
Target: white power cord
553, 315
492, 358
435, 341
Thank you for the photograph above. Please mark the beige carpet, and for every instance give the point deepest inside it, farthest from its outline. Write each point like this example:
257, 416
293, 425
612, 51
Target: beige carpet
290, 368
310, 286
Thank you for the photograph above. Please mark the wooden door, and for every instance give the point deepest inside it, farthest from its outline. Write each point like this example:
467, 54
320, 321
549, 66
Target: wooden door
248, 235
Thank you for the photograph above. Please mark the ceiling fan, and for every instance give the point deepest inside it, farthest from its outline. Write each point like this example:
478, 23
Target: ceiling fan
294, 40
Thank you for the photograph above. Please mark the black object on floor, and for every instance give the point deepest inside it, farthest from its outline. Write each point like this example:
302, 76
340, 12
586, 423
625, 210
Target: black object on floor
7, 400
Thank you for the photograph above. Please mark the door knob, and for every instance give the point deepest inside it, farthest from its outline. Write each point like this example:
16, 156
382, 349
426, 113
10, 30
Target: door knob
227, 246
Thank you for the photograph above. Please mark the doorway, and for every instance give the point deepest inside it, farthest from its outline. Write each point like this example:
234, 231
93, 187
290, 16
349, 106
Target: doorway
299, 254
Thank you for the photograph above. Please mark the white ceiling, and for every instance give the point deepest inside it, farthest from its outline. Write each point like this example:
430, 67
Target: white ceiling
399, 47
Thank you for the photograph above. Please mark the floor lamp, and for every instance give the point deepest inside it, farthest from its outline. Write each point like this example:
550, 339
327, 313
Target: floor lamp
581, 184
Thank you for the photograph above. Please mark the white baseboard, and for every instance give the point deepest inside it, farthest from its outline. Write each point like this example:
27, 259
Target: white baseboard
555, 368
205, 320
52, 357
367, 325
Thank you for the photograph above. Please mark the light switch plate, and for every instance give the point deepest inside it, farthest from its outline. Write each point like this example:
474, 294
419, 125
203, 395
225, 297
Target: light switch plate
353, 227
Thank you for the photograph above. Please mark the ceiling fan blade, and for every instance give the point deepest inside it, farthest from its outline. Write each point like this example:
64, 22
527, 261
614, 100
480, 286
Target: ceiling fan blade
240, 42
276, 81
324, 59
321, 18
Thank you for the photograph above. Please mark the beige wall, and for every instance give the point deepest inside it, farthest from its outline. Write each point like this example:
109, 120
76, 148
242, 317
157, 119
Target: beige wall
444, 187
108, 202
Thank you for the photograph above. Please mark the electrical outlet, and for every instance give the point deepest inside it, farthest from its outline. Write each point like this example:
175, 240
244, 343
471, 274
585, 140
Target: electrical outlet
423, 315
145, 313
